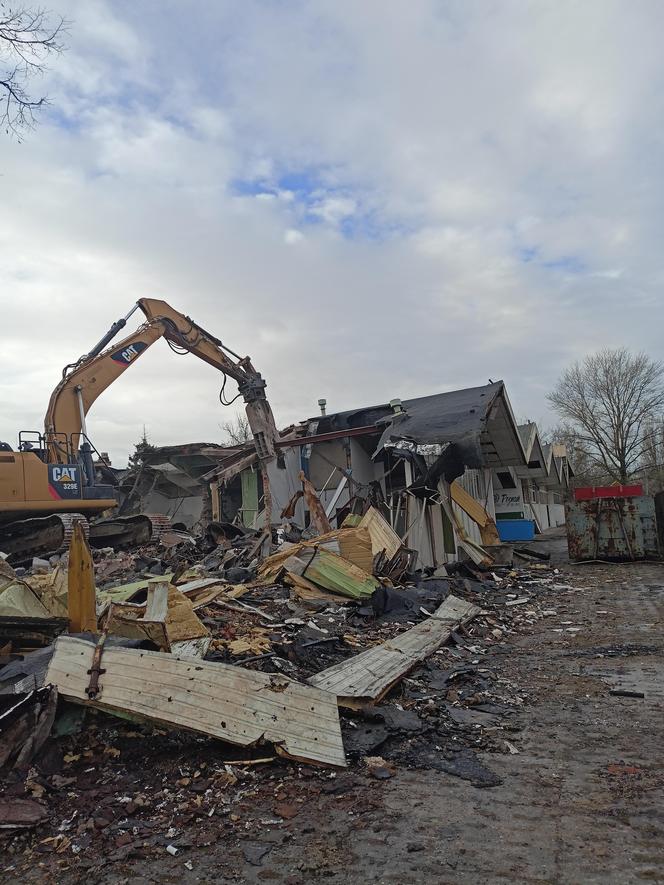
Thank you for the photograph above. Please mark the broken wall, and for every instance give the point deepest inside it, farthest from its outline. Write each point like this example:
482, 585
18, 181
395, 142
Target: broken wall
284, 483
188, 510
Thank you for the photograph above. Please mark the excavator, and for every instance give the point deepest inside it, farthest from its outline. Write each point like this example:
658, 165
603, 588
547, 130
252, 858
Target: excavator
51, 481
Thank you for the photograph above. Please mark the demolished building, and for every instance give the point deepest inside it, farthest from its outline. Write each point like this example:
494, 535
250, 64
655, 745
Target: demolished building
320, 641
169, 480
448, 472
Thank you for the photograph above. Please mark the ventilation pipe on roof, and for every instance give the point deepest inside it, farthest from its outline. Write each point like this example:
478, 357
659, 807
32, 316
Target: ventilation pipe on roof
395, 405
322, 403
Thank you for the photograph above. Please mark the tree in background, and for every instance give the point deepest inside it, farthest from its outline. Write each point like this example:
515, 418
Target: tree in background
27, 38
651, 473
142, 448
608, 404
586, 471
237, 431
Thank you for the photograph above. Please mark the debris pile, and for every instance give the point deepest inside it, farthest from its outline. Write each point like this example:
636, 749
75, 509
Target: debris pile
146, 722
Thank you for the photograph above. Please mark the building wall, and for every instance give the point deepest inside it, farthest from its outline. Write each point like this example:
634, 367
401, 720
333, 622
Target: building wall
186, 510
508, 498
323, 458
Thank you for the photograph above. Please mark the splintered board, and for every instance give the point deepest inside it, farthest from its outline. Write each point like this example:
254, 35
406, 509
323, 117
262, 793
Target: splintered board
369, 675
237, 705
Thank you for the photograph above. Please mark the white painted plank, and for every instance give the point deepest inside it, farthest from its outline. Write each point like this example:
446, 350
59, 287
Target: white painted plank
371, 673
237, 705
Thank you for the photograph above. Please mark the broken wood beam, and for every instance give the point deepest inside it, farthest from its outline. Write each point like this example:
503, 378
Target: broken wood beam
81, 601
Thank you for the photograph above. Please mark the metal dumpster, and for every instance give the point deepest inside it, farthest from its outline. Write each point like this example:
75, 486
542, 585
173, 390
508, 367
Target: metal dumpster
612, 528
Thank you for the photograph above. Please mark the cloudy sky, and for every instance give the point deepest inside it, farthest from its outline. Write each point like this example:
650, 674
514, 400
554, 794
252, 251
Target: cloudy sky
372, 198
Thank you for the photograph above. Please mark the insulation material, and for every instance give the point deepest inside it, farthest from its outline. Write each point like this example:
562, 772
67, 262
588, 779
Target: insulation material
52, 589
19, 600
242, 707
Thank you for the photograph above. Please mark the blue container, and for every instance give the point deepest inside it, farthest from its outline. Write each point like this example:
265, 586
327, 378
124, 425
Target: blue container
516, 529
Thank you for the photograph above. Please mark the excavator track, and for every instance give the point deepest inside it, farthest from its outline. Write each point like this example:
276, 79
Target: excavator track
122, 532
45, 536
41, 536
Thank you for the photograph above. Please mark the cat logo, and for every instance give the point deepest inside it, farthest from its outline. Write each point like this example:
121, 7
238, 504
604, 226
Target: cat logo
64, 481
129, 353
64, 474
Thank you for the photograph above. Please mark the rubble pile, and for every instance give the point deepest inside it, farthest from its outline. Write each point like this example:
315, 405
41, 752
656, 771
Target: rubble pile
231, 679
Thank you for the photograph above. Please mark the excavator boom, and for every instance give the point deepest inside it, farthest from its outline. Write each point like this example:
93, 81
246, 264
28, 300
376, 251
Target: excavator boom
84, 381
58, 476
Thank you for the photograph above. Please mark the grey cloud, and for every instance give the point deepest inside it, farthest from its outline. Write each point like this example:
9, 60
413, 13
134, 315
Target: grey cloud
509, 154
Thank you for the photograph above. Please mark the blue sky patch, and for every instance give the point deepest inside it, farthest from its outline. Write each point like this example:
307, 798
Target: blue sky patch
567, 263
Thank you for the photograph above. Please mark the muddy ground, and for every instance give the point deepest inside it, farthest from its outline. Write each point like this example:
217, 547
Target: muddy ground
581, 800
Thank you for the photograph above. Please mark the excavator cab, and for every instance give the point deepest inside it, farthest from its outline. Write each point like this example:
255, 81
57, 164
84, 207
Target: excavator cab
29, 484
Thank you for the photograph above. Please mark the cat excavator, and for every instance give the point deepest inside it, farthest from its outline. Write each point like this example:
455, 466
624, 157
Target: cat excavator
51, 481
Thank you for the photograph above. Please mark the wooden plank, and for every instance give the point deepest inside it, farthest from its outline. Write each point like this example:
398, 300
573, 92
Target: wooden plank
474, 551
487, 527
81, 602
383, 536
468, 504
369, 675
236, 705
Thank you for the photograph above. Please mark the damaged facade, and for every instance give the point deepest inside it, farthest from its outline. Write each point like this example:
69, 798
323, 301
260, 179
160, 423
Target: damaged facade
169, 480
413, 461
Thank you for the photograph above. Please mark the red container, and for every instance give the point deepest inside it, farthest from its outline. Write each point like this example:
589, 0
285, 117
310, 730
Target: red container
588, 493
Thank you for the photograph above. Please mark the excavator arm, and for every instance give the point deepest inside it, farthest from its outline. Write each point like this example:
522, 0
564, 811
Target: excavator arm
85, 380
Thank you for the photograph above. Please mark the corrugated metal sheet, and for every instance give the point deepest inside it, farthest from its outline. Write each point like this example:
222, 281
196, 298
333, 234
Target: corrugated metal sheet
237, 705
612, 528
336, 574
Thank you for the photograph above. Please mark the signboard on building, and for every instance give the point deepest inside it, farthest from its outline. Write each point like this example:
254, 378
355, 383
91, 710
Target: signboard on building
508, 504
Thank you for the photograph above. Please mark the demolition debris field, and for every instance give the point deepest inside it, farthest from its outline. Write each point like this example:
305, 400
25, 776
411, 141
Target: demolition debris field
518, 742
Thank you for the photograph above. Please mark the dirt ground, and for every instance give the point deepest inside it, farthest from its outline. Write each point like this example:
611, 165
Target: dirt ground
582, 792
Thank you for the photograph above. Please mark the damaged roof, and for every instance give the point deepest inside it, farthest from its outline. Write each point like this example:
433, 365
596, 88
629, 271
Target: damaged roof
476, 425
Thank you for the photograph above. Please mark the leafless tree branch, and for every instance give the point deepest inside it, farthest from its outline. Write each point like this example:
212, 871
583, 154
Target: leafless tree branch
27, 38
237, 431
608, 402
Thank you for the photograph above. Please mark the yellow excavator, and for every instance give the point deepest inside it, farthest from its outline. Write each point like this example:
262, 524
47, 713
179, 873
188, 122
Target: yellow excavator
51, 481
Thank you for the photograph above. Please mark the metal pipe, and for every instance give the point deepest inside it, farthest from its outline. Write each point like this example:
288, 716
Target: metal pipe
81, 408
84, 449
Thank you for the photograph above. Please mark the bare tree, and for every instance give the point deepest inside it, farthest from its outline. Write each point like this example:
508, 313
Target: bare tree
27, 38
651, 472
586, 471
609, 401
237, 431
